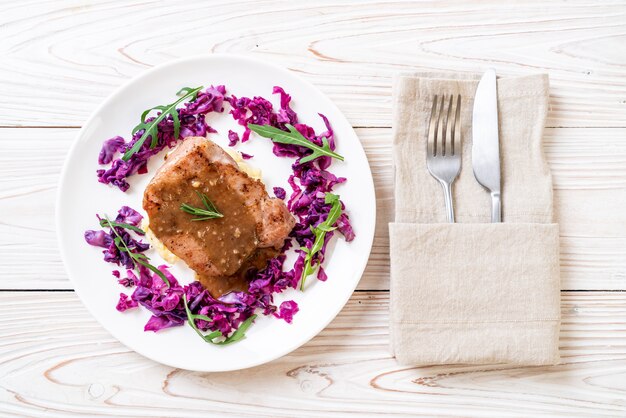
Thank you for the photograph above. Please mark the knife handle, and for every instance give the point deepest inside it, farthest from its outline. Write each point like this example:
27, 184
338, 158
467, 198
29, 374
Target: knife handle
496, 208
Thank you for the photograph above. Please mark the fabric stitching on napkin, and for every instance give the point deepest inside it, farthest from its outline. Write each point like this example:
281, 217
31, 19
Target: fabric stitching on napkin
471, 100
475, 215
478, 321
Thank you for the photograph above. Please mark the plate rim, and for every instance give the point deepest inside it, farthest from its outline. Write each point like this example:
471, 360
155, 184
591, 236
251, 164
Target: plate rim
71, 154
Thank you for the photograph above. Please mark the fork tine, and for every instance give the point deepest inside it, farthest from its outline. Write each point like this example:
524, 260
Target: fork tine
441, 133
449, 145
432, 126
457, 149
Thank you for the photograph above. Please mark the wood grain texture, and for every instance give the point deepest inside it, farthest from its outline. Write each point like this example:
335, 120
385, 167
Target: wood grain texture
588, 165
59, 362
61, 58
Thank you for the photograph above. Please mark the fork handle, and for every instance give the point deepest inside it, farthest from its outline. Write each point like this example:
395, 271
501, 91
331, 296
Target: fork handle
447, 193
496, 205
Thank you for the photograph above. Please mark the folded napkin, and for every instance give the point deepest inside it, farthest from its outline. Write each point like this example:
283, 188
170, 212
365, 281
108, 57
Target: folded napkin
474, 292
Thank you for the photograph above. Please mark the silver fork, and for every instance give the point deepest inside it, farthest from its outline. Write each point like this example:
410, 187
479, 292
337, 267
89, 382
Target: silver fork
443, 148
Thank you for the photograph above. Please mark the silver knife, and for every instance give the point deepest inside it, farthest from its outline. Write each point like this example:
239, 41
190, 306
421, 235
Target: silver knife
486, 142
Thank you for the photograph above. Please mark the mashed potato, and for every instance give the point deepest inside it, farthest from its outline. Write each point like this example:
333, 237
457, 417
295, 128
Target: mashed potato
160, 248
253, 172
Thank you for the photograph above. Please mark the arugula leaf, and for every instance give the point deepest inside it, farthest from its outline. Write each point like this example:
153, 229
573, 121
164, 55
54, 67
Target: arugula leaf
320, 235
239, 334
210, 211
106, 222
151, 128
152, 268
295, 138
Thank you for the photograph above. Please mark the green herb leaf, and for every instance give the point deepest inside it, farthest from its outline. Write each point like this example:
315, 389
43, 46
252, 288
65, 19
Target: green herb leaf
106, 222
151, 128
138, 258
295, 138
239, 334
202, 317
320, 235
191, 320
152, 268
208, 212
192, 92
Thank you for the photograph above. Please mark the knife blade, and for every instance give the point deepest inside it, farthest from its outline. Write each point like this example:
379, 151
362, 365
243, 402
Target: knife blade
486, 142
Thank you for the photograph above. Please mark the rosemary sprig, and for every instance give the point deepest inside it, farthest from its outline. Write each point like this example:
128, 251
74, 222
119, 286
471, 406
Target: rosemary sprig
138, 258
106, 222
209, 211
295, 138
320, 234
151, 128
239, 334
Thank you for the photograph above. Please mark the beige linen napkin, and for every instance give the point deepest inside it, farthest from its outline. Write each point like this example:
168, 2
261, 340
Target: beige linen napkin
474, 292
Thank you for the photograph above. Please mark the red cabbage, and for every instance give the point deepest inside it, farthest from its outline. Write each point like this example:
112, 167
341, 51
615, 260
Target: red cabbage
233, 138
165, 303
109, 148
98, 238
321, 274
125, 303
285, 113
129, 215
287, 310
280, 193
130, 280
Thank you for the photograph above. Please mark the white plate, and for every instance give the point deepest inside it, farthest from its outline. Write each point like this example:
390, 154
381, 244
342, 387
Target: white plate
81, 197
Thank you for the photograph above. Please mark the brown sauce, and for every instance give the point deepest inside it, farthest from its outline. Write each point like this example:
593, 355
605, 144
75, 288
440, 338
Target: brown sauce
229, 244
219, 285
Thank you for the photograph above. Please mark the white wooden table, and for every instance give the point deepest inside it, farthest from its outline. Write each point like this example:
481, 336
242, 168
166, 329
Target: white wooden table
59, 59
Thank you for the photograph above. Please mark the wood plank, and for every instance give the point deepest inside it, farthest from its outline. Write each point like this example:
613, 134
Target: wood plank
71, 54
58, 361
589, 167
30, 166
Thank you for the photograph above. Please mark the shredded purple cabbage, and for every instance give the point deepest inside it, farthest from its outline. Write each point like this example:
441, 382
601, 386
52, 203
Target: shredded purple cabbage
280, 193
130, 280
321, 274
106, 240
233, 138
309, 184
287, 310
110, 148
165, 303
125, 303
